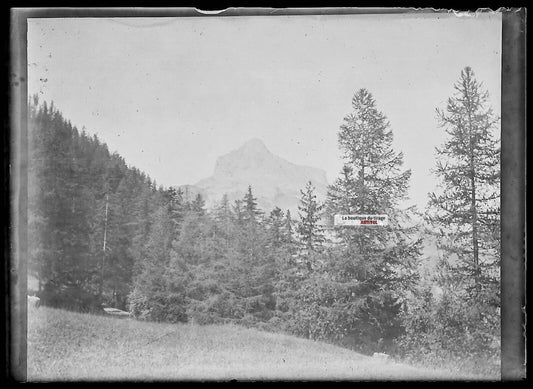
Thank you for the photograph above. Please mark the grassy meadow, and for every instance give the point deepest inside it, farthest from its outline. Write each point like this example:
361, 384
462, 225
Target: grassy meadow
67, 346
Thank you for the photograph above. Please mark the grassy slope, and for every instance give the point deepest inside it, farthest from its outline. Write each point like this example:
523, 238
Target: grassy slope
73, 346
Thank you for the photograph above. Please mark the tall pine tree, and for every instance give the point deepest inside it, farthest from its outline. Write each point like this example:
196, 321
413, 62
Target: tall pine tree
275, 228
465, 217
378, 263
466, 211
251, 212
310, 232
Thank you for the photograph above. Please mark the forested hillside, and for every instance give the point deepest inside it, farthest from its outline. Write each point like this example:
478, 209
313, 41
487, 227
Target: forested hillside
80, 196
102, 232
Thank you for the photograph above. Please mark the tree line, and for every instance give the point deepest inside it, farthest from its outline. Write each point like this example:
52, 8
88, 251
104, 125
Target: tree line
103, 232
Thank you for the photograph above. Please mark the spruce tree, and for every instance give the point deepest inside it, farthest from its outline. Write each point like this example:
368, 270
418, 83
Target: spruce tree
223, 218
238, 213
148, 298
198, 205
222, 211
378, 263
177, 206
275, 228
464, 214
252, 213
308, 228
372, 182
310, 232
466, 210
288, 229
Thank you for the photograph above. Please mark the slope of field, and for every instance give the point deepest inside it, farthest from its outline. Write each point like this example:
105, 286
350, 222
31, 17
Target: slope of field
73, 346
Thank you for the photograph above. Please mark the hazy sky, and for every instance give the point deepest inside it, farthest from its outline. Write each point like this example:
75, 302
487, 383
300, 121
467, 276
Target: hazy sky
172, 94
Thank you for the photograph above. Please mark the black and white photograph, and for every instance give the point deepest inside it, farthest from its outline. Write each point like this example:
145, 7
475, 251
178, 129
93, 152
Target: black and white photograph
293, 197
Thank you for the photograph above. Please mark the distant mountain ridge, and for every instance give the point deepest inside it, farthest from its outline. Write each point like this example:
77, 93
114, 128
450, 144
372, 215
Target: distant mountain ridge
274, 180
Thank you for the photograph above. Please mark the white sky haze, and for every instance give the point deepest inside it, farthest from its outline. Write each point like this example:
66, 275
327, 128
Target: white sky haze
172, 94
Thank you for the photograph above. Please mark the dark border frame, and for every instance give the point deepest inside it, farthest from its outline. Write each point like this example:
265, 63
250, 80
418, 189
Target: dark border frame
513, 188
512, 184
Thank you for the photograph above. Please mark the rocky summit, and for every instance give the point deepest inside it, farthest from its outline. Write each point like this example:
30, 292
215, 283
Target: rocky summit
274, 180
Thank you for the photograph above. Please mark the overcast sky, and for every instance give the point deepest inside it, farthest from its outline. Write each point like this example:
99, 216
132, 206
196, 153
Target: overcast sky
172, 94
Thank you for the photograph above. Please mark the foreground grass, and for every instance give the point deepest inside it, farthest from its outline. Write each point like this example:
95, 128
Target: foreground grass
73, 346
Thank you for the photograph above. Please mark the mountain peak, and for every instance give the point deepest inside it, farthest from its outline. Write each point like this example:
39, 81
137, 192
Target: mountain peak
274, 180
255, 145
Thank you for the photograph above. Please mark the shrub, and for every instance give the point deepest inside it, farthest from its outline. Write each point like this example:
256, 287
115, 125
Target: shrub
450, 332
